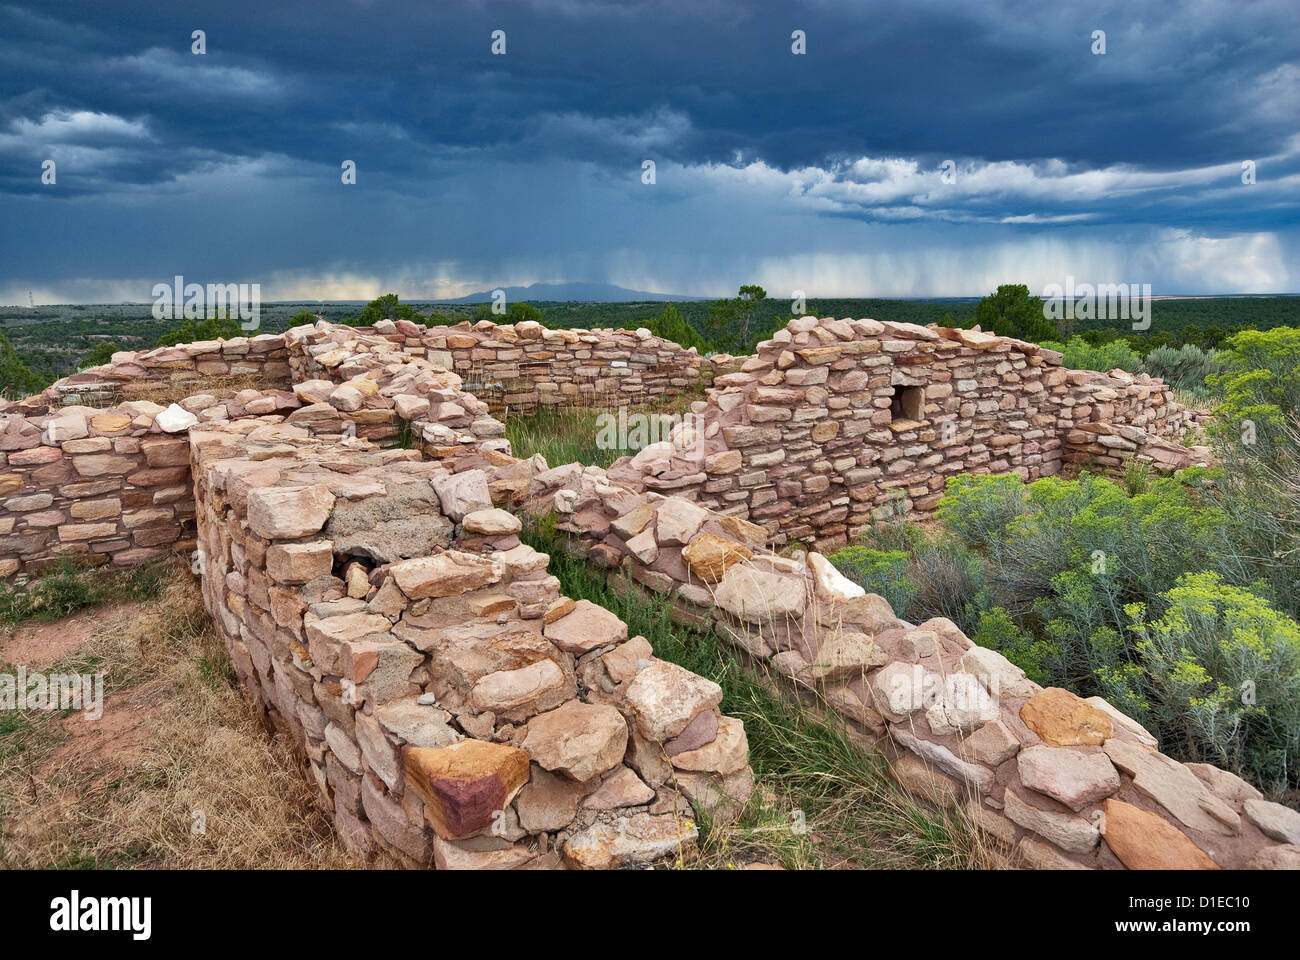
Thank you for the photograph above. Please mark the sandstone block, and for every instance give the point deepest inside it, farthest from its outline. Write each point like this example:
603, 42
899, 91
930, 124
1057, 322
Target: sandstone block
465, 785
579, 740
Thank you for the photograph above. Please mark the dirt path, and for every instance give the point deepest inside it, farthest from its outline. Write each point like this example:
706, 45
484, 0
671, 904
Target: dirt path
176, 745
38, 645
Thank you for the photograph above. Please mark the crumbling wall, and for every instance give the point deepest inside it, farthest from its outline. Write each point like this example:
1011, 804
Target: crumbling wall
524, 366
1055, 781
453, 707
101, 485
834, 423
113, 484
1116, 417
262, 358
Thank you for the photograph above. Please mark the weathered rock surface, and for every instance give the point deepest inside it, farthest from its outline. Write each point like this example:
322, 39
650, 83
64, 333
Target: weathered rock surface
759, 596
579, 740
709, 557
464, 785
1276, 821
279, 513
588, 627
1062, 719
641, 838
1174, 787
663, 698
1144, 841
726, 753
444, 575
1074, 777
1067, 831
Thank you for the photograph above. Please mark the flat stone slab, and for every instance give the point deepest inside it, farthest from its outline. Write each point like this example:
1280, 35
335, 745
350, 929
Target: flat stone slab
1146, 841
587, 627
1063, 719
1174, 787
1074, 777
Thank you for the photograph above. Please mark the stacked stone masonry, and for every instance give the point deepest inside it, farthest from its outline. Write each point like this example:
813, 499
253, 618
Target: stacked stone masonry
80, 440
521, 367
1054, 781
834, 423
455, 709
453, 706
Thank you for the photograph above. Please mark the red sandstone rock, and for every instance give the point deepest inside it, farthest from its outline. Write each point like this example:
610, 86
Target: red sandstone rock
465, 785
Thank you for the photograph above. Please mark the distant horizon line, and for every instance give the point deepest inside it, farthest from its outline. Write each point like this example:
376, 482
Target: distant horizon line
680, 299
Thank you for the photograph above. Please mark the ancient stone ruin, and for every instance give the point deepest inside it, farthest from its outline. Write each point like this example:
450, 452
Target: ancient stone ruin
835, 422
354, 523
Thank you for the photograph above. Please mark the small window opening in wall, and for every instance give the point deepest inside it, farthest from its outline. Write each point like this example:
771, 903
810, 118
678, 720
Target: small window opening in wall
908, 404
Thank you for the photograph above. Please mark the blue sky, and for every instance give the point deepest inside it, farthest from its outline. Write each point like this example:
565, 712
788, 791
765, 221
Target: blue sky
820, 172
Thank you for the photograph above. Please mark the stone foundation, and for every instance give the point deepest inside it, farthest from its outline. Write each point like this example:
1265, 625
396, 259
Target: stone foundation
1056, 782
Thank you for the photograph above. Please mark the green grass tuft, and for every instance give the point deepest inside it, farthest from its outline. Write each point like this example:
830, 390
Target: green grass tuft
68, 587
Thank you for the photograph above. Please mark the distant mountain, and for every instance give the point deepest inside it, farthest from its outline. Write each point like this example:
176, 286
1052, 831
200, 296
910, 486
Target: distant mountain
578, 292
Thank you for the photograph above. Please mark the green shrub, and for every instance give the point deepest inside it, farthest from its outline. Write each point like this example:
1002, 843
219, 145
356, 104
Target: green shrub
979, 508
1035, 532
1079, 354
204, 328
1011, 312
1070, 569
671, 326
1138, 477
1185, 368
17, 380
878, 571
1222, 678
1260, 387
101, 354
1256, 434
998, 631
947, 579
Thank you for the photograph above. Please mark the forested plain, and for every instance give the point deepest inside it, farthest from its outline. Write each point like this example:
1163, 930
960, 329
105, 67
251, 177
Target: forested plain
42, 343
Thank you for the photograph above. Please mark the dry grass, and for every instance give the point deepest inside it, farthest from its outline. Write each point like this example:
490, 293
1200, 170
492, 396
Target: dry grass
814, 772
176, 737
184, 385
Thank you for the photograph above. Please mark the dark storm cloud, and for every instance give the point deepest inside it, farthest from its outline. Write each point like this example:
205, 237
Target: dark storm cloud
458, 150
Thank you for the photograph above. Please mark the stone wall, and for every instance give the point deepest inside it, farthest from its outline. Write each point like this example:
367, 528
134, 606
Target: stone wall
520, 367
453, 707
831, 424
101, 485
113, 484
1055, 782
835, 422
263, 358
